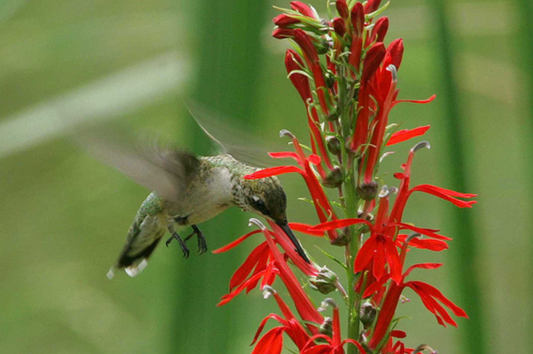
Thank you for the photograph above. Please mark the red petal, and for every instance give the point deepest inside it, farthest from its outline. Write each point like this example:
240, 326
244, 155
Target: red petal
428, 244
434, 292
407, 134
314, 159
242, 272
379, 259
284, 154
417, 101
427, 232
365, 254
447, 194
236, 242
271, 343
398, 334
423, 266
302, 8
337, 224
305, 229
273, 171
319, 349
375, 286
263, 323
393, 259
228, 297
359, 346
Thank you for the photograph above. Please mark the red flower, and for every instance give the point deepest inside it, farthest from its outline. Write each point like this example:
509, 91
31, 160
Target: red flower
311, 58
429, 296
335, 342
272, 341
322, 206
293, 63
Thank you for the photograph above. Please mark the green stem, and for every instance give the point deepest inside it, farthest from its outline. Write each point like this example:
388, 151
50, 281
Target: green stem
351, 202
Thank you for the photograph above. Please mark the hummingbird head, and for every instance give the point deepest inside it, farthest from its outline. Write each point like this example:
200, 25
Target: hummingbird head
266, 197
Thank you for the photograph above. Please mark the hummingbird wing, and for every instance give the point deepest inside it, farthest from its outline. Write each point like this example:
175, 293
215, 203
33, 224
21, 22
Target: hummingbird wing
164, 170
242, 144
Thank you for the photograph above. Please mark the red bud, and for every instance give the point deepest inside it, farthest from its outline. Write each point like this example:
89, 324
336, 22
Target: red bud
358, 19
339, 26
374, 57
372, 5
380, 29
342, 8
300, 82
284, 20
395, 53
281, 33
302, 8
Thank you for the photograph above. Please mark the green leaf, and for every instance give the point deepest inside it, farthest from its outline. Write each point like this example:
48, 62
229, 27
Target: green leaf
332, 258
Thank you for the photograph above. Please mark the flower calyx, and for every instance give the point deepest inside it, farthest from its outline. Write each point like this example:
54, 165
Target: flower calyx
325, 281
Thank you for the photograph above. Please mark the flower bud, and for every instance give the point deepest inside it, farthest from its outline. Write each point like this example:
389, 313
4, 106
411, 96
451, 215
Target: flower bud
284, 20
326, 327
342, 8
334, 145
343, 237
334, 178
422, 348
339, 26
367, 314
324, 281
368, 191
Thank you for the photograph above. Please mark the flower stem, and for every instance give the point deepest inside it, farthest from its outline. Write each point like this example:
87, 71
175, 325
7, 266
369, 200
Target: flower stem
351, 202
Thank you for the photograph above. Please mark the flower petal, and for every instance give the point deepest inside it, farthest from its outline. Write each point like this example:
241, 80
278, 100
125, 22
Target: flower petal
305, 229
423, 231
236, 242
337, 224
273, 171
406, 134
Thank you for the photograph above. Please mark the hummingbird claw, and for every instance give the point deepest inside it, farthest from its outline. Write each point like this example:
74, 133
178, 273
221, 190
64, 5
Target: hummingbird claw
182, 244
202, 244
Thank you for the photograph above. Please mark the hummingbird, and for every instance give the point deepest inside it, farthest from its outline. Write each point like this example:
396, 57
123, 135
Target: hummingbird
186, 191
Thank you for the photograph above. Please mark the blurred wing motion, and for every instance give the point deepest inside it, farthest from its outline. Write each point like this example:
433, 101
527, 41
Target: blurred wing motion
243, 145
166, 171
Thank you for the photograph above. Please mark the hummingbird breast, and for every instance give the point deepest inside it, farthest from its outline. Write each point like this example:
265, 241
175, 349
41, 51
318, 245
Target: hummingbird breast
205, 197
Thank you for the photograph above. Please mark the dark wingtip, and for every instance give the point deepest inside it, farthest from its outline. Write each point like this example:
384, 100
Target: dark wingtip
285, 227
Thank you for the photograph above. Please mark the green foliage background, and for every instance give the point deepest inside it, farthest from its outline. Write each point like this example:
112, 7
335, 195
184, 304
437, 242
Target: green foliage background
64, 216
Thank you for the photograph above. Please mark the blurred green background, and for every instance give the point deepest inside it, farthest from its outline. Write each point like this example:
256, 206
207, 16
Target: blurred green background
64, 216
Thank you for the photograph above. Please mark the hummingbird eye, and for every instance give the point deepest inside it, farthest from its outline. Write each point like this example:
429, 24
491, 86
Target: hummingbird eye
259, 205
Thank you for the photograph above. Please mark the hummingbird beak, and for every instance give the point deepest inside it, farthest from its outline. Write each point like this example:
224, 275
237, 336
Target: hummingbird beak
285, 227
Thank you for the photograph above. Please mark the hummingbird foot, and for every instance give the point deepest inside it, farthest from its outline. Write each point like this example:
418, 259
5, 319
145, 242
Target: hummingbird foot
182, 244
202, 244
